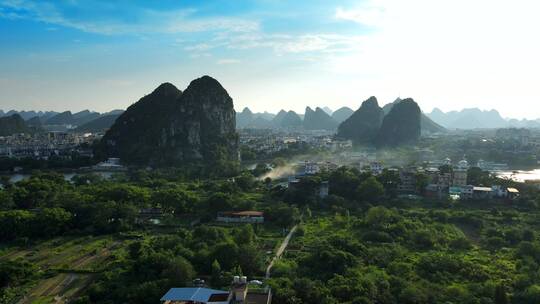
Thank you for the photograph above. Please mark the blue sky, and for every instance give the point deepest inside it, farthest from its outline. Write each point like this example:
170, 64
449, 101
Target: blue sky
271, 54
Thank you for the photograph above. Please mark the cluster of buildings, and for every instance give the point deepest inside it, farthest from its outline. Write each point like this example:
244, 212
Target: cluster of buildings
239, 293
440, 178
521, 137
272, 141
45, 145
453, 182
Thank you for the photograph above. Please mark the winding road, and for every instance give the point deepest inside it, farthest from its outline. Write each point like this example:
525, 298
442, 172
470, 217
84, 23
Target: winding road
280, 250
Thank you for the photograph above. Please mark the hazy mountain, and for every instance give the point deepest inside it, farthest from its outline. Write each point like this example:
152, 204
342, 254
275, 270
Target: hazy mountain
13, 124
328, 110
524, 123
34, 122
250, 120
342, 114
290, 120
67, 118
83, 117
168, 127
469, 119
279, 118
265, 115
318, 120
363, 125
99, 124
402, 125
26, 115
428, 125
63, 118
244, 118
259, 123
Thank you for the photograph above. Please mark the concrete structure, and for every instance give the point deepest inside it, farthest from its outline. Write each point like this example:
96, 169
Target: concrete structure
408, 181
459, 178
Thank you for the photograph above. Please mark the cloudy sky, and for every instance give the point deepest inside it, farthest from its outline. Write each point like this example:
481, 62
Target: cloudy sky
273, 54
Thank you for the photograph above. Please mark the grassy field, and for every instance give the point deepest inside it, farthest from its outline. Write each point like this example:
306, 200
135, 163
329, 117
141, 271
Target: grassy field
67, 264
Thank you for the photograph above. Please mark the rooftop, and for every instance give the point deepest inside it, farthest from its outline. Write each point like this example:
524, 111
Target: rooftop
195, 294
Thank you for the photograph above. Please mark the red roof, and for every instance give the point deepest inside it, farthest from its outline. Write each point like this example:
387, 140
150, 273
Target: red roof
244, 213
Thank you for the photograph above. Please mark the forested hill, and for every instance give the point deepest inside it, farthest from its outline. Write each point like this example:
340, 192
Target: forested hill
170, 127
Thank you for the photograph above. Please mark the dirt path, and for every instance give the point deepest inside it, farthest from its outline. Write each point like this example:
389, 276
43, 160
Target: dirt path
280, 251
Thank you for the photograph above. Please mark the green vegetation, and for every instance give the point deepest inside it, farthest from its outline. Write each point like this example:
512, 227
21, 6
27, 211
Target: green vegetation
414, 254
90, 240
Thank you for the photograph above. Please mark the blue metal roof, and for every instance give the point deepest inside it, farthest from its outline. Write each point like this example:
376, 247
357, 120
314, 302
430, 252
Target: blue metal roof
196, 294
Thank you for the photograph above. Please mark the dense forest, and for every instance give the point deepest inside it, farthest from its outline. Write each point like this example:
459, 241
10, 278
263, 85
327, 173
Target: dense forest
361, 244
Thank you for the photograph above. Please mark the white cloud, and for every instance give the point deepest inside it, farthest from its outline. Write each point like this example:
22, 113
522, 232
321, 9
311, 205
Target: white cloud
367, 15
149, 21
228, 61
451, 53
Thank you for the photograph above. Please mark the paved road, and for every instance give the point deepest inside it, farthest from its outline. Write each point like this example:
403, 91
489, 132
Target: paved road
280, 250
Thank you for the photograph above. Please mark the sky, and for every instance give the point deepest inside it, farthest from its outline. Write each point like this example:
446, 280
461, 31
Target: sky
273, 54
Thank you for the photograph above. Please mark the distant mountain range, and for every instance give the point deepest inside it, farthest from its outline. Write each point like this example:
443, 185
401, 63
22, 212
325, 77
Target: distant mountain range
87, 121
475, 118
13, 124
322, 118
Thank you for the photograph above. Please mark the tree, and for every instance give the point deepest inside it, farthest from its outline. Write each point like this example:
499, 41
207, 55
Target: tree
343, 182
500, 295
245, 235
370, 190
6, 201
390, 180
421, 182
381, 217
215, 279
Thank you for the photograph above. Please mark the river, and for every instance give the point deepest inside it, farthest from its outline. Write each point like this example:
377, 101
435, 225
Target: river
520, 175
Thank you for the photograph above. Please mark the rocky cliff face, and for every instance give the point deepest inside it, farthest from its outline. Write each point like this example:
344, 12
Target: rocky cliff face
402, 125
363, 125
169, 127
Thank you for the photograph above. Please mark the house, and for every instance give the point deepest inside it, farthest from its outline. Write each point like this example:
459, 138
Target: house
433, 191
482, 192
459, 178
376, 168
253, 217
195, 295
408, 181
238, 293
513, 193
467, 192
